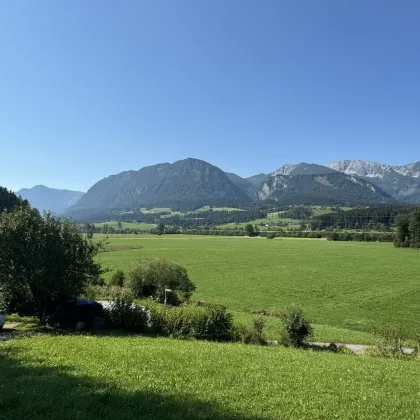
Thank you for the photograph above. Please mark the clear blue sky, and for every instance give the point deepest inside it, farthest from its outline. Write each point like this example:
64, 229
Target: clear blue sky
91, 88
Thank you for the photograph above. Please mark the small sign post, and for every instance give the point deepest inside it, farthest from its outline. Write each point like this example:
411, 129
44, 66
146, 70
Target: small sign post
167, 291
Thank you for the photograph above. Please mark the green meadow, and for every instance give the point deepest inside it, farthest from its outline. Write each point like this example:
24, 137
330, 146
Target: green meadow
128, 225
131, 377
347, 289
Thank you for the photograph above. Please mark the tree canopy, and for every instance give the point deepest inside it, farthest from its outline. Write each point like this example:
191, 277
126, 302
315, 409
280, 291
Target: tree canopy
408, 230
44, 260
150, 278
9, 200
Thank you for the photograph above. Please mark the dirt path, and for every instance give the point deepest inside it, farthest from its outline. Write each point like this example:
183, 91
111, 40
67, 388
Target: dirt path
356, 348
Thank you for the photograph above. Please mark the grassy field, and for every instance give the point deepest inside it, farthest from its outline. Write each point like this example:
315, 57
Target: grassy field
128, 225
207, 208
125, 378
258, 222
346, 288
155, 210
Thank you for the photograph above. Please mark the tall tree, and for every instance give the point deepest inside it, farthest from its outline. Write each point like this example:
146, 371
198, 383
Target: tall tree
414, 228
408, 230
9, 200
249, 230
45, 260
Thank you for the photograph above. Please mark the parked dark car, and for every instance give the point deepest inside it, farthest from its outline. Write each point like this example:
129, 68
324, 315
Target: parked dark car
79, 315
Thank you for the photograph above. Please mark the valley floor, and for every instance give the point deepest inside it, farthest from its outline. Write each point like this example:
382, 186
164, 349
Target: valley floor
347, 289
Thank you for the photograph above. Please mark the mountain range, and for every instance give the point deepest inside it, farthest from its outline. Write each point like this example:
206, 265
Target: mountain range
401, 182
347, 182
193, 180
162, 184
50, 199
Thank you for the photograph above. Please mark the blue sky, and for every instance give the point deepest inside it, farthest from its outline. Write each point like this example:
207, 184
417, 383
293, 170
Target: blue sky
91, 88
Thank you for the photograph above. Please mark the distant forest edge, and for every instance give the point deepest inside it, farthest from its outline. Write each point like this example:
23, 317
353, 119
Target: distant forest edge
369, 218
267, 216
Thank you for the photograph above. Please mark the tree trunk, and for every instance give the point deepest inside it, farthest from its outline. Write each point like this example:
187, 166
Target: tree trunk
43, 316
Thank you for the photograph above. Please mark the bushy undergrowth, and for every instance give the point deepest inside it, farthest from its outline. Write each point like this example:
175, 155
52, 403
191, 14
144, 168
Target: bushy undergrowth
117, 279
191, 320
255, 334
122, 313
396, 340
296, 329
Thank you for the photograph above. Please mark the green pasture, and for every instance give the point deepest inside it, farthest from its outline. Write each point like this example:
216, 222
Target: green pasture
207, 208
258, 222
128, 225
346, 288
155, 210
131, 377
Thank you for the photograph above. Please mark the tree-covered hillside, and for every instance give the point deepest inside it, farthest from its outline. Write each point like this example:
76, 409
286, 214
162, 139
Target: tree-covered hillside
185, 180
361, 218
8, 200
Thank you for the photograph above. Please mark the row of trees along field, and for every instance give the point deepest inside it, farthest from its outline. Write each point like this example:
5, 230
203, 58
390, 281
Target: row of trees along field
190, 219
408, 230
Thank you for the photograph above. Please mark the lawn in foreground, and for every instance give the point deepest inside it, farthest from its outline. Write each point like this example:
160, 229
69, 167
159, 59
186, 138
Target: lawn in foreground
345, 285
68, 377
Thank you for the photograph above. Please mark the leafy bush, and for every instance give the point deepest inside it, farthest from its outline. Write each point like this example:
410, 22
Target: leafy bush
150, 278
122, 313
295, 328
239, 332
255, 333
156, 316
191, 320
215, 325
391, 339
184, 321
117, 279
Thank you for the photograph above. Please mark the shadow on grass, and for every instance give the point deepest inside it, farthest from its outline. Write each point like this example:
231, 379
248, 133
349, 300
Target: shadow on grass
29, 390
107, 332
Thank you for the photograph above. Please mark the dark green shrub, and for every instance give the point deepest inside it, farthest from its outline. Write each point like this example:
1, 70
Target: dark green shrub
217, 325
334, 237
117, 279
98, 281
295, 328
151, 277
122, 313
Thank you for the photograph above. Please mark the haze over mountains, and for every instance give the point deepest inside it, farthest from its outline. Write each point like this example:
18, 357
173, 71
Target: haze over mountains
50, 199
351, 182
